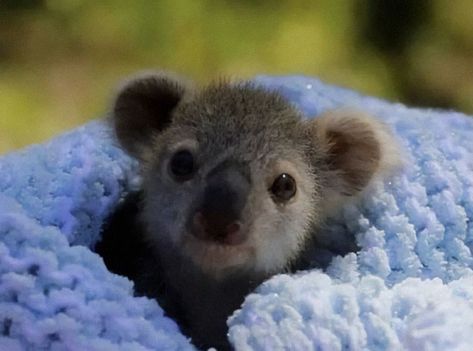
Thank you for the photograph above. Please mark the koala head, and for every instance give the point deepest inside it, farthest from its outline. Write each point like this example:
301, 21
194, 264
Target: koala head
233, 177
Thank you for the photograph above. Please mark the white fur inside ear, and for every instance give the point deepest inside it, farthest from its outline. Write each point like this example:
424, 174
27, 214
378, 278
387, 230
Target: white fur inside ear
367, 147
354, 122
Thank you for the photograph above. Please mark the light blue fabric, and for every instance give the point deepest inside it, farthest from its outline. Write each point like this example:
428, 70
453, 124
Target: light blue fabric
410, 285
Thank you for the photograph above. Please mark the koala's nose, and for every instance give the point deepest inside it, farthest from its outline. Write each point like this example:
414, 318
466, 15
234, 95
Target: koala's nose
218, 215
218, 231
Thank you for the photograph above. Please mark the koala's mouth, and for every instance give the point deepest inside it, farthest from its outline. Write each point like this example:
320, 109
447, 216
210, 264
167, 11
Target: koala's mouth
214, 256
233, 240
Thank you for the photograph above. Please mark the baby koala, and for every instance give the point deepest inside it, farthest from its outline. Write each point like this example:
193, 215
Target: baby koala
235, 186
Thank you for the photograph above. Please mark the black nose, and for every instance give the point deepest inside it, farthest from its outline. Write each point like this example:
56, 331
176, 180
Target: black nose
218, 215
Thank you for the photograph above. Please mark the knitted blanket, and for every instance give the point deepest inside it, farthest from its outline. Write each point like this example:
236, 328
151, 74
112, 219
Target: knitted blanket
409, 286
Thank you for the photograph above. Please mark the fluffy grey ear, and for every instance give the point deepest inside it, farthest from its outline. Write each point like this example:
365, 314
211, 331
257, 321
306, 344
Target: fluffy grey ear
144, 106
355, 148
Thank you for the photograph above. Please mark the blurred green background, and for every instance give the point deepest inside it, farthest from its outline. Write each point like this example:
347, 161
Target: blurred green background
61, 59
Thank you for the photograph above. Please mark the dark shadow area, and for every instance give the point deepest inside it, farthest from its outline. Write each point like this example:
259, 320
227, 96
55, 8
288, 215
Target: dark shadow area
125, 252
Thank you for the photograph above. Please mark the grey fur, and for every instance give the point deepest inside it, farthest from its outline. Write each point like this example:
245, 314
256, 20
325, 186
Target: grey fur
330, 158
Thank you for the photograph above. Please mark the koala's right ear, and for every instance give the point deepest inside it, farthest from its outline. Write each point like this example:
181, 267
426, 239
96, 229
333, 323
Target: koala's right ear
143, 107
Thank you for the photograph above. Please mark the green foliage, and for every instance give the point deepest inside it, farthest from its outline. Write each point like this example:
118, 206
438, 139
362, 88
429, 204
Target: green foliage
60, 59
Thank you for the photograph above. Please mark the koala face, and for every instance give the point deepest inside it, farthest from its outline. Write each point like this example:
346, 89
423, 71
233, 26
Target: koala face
234, 179
228, 205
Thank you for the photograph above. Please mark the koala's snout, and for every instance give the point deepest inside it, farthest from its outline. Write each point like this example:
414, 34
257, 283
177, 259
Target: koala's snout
218, 214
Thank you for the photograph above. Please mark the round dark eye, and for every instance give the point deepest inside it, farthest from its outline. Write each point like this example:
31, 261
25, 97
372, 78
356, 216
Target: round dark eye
284, 187
182, 165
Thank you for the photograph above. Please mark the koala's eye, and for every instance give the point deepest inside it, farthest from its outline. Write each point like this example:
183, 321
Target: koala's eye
182, 165
283, 188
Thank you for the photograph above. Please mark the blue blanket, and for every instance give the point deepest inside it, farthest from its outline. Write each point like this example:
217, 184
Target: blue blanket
409, 286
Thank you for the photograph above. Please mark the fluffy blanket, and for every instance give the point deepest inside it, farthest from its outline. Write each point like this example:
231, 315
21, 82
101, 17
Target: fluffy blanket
409, 286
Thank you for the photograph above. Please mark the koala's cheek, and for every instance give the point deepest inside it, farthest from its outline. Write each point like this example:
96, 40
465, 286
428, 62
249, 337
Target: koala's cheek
265, 238
164, 218
280, 238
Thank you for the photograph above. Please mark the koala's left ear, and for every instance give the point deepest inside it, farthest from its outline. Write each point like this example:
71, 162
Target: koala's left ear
144, 106
355, 148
